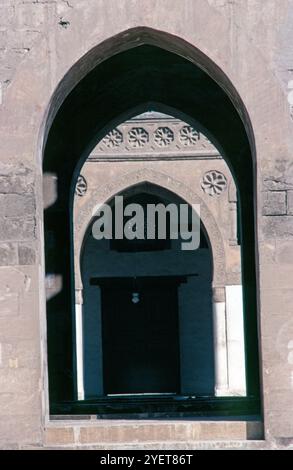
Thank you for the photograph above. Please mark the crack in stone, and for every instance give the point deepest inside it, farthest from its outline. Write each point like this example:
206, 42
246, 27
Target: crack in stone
67, 3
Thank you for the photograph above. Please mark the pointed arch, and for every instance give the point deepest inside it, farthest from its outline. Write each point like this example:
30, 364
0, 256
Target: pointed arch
152, 67
156, 181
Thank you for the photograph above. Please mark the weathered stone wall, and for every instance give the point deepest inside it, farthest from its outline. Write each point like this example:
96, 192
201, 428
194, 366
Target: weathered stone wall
23, 23
39, 42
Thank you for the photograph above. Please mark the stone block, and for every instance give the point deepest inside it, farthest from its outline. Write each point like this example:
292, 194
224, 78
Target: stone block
278, 377
25, 428
24, 324
278, 400
6, 15
16, 205
134, 433
275, 302
284, 251
183, 432
8, 254
267, 251
16, 180
274, 203
279, 424
277, 326
33, 17
21, 381
227, 430
19, 354
16, 404
59, 436
19, 280
277, 351
17, 229
9, 304
279, 176
274, 276
278, 227
26, 255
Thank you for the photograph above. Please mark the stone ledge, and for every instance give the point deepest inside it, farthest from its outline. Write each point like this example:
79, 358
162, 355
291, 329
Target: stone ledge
204, 445
137, 433
163, 446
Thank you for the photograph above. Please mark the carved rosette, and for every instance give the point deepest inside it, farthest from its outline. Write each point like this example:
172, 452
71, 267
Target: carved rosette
214, 183
81, 186
138, 137
163, 136
113, 139
188, 136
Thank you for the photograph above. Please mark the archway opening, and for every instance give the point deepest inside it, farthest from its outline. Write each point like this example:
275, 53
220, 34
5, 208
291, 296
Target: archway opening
150, 303
123, 82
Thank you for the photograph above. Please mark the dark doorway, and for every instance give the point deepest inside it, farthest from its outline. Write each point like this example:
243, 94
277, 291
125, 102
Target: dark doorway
140, 338
155, 302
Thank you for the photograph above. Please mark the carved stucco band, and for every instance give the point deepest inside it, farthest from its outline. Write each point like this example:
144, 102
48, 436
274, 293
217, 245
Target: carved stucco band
107, 192
154, 135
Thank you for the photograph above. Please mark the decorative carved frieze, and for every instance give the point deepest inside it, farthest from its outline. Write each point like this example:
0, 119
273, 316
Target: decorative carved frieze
163, 136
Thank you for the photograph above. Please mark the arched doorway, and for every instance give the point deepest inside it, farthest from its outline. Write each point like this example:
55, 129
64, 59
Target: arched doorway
100, 99
150, 305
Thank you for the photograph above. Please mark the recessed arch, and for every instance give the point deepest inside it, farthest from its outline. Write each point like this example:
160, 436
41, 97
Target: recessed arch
136, 111
191, 272
157, 182
165, 70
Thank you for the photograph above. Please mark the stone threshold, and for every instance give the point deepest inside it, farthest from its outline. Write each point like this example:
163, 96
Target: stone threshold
135, 433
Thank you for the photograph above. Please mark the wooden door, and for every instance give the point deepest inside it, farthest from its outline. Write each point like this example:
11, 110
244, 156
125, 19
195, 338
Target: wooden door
140, 341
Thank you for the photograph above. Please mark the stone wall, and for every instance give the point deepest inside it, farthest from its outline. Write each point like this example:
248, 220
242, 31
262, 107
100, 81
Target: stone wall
251, 42
24, 23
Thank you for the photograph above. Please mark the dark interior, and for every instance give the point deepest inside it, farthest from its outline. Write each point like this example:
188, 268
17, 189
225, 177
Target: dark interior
140, 346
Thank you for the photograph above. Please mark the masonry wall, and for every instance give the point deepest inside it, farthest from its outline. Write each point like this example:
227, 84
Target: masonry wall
39, 42
23, 23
